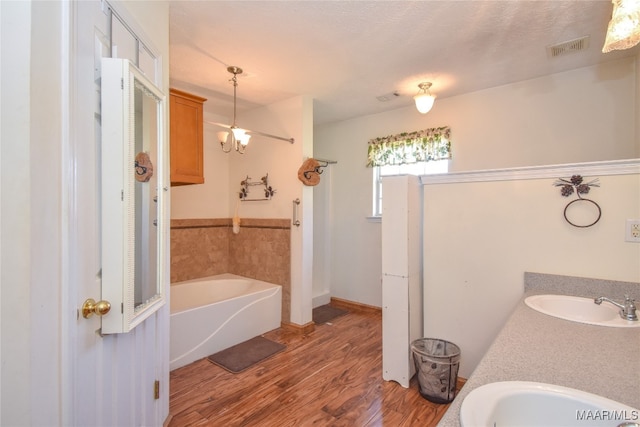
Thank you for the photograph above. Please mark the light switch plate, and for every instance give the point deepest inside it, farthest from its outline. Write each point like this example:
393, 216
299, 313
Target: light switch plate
632, 231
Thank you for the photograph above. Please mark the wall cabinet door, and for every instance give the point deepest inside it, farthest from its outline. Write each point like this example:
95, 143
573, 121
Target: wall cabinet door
186, 138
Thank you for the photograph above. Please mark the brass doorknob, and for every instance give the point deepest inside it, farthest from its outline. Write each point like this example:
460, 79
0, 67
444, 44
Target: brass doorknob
91, 307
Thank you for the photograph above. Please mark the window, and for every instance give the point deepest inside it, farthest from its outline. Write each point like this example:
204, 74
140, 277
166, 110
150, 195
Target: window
421, 168
421, 152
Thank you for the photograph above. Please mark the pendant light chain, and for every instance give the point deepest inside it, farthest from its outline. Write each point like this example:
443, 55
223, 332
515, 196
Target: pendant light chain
234, 79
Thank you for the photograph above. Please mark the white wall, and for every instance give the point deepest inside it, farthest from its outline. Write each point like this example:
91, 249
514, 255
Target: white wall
32, 132
577, 116
354, 241
217, 197
481, 237
281, 160
15, 26
211, 199
322, 247
637, 112
582, 115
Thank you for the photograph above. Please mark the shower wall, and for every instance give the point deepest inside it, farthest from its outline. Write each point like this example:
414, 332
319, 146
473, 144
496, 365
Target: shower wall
262, 250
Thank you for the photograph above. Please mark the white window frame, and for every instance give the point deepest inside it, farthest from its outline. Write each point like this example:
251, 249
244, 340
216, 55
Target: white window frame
420, 168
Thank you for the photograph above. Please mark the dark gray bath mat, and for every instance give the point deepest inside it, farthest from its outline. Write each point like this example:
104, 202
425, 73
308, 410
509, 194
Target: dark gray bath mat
326, 313
246, 354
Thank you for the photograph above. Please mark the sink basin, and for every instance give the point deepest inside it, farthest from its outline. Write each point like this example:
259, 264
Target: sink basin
578, 309
522, 403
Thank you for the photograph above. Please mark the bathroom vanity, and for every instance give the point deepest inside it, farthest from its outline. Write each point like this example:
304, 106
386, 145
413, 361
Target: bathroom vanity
533, 346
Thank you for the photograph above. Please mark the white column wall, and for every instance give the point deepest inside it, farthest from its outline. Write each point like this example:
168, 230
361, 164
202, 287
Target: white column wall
281, 160
15, 213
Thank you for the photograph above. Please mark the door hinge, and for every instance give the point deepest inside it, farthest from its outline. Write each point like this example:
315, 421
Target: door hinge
156, 389
122, 84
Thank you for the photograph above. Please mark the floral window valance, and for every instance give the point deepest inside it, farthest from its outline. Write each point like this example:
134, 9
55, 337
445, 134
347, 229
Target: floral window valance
410, 147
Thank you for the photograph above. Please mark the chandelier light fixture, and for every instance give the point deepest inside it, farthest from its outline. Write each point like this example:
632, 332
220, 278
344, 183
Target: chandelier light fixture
424, 99
238, 138
623, 31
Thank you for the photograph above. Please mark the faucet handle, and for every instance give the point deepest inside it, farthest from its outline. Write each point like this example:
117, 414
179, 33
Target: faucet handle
629, 311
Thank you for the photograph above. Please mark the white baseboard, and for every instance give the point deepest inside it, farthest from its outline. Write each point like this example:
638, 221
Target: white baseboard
322, 299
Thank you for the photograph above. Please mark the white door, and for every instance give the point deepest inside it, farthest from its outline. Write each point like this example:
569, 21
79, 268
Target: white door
110, 379
90, 41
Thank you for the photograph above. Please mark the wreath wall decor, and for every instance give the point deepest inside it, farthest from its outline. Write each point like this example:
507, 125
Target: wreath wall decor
577, 184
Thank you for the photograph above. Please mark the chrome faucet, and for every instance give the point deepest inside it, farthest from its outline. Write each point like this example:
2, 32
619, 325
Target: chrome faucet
627, 310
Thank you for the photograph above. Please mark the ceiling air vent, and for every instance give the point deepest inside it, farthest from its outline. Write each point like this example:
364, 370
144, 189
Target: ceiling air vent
568, 47
387, 96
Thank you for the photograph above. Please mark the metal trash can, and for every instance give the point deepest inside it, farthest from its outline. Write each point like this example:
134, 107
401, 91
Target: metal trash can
437, 362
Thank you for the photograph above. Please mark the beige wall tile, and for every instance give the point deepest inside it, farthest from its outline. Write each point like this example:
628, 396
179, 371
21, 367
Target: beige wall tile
262, 251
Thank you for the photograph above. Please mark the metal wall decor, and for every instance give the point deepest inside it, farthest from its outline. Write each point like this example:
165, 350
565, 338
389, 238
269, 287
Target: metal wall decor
576, 184
246, 183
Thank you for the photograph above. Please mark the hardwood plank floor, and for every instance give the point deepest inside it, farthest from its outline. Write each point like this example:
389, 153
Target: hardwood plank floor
329, 377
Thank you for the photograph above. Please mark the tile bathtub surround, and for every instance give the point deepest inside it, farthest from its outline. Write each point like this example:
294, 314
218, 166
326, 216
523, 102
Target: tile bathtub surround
580, 286
199, 248
262, 250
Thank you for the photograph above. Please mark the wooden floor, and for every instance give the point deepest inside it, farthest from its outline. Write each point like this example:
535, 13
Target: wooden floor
329, 377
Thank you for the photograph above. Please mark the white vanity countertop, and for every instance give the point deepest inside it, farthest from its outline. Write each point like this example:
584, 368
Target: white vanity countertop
536, 347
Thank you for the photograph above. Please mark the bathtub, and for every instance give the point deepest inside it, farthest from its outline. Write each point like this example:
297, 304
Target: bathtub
213, 313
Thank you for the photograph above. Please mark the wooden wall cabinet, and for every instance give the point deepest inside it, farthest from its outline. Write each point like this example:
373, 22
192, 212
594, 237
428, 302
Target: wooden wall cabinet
187, 166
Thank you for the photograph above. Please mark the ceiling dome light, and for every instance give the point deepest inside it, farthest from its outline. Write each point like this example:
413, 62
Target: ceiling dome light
623, 31
424, 99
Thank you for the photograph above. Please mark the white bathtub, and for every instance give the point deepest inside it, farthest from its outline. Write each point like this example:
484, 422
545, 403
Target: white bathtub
217, 312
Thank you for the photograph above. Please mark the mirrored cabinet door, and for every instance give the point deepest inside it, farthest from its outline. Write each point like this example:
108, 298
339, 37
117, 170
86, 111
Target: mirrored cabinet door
134, 153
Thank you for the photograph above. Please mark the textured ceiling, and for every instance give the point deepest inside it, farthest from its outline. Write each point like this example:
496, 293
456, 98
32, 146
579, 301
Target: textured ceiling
344, 54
